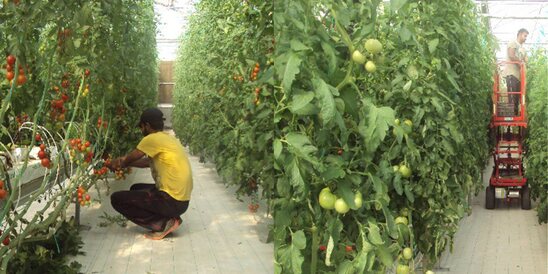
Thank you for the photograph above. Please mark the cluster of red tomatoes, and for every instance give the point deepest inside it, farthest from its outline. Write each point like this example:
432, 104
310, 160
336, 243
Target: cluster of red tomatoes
102, 123
43, 155
22, 118
257, 99
83, 197
256, 71
58, 109
120, 174
103, 170
10, 74
80, 151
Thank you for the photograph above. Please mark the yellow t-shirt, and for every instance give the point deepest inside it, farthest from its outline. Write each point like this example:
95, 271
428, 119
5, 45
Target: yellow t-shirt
170, 166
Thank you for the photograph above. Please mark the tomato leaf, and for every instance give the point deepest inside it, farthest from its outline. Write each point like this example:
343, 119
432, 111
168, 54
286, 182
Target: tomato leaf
300, 100
433, 44
397, 4
327, 103
296, 179
397, 185
277, 148
408, 193
300, 145
333, 172
298, 45
291, 70
375, 235
384, 256
378, 120
329, 250
331, 55
405, 33
291, 255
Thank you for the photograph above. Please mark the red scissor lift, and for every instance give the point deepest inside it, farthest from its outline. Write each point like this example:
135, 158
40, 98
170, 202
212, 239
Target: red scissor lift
508, 125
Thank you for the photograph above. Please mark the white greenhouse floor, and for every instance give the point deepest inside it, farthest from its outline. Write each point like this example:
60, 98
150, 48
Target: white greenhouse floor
504, 240
219, 235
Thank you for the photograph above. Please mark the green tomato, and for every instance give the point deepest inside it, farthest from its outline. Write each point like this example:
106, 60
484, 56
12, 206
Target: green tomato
402, 269
341, 206
370, 66
327, 200
325, 189
408, 122
407, 253
358, 57
396, 168
358, 200
397, 122
405, 171
401, 220
373, 46
404, 211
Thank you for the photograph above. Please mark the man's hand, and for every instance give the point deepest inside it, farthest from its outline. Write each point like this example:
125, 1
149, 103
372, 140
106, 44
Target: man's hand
115, 164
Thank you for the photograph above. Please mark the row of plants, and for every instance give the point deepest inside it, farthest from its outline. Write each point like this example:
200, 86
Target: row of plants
536, 159
70, 84
364, 123
380, 117
223, 98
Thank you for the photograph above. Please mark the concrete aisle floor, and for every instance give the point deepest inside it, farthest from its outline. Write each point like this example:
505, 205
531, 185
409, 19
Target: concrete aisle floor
504, 240
218, 234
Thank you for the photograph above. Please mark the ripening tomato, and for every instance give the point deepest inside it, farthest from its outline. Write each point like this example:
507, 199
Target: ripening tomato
11, 60
6, 241
10, 75
45, 162
21, 79
42, 146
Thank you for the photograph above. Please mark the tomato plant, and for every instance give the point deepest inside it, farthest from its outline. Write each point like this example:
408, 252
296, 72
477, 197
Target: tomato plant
61, 74
536, 159
226, 116
327, 98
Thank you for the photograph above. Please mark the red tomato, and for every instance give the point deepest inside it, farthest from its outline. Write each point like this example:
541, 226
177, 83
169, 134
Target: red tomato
348, 248
323, 247
38, 138
6, 241
10, 75
11, 60
21, 79
87, 197
3, 193
42, 154
1, 184
9, 68
45, 162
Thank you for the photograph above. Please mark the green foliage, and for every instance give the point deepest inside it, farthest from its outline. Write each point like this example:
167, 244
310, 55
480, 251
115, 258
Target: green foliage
57, 41
220, 111
336, 128
49, 254
90, 69
536, 159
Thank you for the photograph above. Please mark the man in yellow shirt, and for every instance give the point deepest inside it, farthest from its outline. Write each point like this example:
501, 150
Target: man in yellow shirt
157, 206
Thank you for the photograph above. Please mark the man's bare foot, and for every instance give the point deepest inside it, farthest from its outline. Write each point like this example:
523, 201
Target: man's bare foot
171, 226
